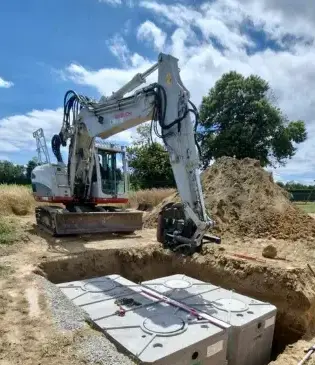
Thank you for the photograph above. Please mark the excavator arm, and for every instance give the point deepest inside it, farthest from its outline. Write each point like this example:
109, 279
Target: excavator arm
166, 104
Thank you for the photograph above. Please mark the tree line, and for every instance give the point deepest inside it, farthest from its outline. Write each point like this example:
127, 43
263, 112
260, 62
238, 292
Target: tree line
291, 185
11, 173
239, 117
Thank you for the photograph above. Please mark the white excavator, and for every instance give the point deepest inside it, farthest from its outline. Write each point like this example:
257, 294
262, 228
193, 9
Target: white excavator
95, 176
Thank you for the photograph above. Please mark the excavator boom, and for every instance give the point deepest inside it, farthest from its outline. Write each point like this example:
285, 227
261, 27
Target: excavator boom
167, 105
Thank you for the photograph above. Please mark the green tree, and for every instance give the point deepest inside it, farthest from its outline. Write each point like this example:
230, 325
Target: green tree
143, 135
11, 173
281, 184
30, 167
239, 119
149, 162
150, 167
291, 185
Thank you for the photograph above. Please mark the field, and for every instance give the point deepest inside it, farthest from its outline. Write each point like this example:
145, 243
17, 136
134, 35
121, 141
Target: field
308, 207
36, 327
15, 199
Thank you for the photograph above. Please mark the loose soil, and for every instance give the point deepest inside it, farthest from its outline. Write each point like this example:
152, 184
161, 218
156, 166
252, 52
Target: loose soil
29, 336
245, 202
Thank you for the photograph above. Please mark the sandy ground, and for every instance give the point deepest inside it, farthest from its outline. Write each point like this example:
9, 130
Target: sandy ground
27, 333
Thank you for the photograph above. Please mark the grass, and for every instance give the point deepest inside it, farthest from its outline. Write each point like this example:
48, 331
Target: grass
8, 231
16, 200
307, 207
151, 197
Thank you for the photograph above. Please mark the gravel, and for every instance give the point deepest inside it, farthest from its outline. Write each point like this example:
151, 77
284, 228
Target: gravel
65, 314
98, 349
94, 347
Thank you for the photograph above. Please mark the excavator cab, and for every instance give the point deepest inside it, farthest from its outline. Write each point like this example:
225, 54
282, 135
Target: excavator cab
110, 174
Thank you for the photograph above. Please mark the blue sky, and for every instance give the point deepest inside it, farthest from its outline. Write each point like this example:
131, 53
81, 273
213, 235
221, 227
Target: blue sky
45, 36
94, 47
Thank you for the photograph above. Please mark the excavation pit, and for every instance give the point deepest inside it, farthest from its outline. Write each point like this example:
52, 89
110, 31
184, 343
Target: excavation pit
151, 331
290, 289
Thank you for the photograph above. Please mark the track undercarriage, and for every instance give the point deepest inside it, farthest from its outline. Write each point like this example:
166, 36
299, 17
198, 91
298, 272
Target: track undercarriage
87, 219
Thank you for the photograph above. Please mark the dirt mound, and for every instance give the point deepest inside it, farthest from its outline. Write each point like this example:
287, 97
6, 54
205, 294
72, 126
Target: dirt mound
244, 201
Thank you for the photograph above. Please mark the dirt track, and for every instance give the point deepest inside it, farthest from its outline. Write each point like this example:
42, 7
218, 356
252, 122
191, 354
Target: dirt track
28, 335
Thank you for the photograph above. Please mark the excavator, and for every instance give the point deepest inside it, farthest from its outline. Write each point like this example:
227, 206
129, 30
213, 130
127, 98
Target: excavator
95, 177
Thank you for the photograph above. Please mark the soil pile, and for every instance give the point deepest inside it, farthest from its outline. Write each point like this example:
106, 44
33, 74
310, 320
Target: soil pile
244, 200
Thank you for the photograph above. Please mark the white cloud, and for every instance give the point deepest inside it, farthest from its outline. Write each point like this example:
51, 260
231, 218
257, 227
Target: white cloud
129, 3
108, 80
126, 27
290, 72
5, 84
17, 131
111, 2
211, 20
119, 48
302, 166
294, 15
4, 158
209, 40
148, 31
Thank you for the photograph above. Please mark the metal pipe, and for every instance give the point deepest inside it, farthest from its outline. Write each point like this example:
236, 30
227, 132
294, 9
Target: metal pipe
136, 81
308, 355
131, 85
150, 70
186, 308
